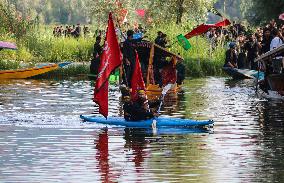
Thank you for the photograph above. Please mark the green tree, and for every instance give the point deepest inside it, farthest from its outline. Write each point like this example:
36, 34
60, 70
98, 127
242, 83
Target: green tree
158, 10
261, 11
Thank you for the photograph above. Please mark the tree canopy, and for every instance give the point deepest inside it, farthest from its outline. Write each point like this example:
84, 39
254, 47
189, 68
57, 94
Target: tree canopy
261, 11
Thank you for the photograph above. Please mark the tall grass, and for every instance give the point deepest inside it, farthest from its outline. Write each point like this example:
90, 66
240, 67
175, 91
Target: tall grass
199, 60
41, 46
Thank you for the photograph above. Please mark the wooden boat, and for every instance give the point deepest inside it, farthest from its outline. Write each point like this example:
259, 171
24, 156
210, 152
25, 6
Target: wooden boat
243, 73
29, 72
274, 81
147, 51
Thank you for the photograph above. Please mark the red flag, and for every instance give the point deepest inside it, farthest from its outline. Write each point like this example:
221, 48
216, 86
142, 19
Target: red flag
140, 12
169, 73
223, 23
110, 59
137, 82
203, 28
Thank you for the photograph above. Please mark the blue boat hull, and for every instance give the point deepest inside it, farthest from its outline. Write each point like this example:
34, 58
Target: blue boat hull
160, 122
243, 73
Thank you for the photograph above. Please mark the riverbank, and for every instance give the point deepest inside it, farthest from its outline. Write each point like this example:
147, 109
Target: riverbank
40, 46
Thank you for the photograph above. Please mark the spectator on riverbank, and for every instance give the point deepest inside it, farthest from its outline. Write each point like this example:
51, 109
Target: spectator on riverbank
231, 56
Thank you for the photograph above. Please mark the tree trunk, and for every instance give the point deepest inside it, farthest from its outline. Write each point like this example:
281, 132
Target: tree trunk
180, 11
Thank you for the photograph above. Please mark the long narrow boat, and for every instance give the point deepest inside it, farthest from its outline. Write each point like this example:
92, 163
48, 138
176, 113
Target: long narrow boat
274, 81
243, 73
29, 72
158, 122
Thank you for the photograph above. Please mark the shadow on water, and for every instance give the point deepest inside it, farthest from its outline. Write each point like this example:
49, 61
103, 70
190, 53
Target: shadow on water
271, 120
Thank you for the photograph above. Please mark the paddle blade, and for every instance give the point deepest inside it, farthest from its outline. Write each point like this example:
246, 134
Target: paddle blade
167, 88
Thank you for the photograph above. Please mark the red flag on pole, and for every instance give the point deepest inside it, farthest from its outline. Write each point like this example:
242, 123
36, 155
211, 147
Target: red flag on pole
140, 12
203, 28
111, 58
223, 23
137, 82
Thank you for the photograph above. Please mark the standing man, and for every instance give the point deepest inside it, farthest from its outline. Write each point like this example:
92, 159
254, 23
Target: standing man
98, 49
252, 49
266, 41
275, 43
129, 57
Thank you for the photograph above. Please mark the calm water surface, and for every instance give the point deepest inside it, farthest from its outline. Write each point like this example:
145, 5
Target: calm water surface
42, 138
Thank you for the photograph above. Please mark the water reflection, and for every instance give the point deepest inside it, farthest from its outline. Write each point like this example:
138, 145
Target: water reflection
102, 156
271, 119
42, 138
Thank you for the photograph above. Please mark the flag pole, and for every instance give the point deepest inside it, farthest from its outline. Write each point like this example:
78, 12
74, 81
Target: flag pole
122, 35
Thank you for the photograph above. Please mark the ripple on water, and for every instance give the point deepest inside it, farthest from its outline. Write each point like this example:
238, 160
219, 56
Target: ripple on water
42, 138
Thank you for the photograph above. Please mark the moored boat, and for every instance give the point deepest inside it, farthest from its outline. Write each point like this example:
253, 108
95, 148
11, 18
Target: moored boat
243, 73
29, 72
26, 72
273, 84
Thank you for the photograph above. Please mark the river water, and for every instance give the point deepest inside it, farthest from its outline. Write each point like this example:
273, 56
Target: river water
42, 138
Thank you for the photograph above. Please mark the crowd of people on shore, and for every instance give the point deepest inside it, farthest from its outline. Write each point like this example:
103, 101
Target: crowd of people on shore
246, 45
71, 31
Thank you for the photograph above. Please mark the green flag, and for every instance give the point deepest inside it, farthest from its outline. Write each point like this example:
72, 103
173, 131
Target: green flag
183, 42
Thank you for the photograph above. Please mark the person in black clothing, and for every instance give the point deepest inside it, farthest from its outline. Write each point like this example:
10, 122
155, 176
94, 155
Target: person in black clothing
129, 58
180, 67
242, 52
231, 56
158, 38
252, 49
139, 109
127, 107
98, 49
163, 41
265, 43
78, 31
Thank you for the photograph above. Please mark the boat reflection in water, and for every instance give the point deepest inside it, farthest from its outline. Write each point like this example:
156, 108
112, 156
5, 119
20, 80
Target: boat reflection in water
136, 150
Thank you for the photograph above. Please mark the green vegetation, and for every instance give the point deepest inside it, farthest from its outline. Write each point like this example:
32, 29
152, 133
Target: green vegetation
41, 46
262, 11
24, 22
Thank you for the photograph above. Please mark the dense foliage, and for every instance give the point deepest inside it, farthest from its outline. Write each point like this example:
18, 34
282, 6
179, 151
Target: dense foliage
262, 11
86, 11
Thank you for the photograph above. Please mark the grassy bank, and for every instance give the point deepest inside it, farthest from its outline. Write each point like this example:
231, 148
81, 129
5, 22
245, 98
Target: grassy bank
40, 46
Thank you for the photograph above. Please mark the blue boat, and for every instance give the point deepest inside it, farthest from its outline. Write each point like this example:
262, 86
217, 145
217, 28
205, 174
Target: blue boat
157, 122
243, 73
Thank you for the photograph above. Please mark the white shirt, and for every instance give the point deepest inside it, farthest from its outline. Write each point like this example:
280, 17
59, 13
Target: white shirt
275, 43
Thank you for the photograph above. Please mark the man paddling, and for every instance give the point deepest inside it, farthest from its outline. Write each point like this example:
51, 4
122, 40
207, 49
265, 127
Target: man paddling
140, 109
